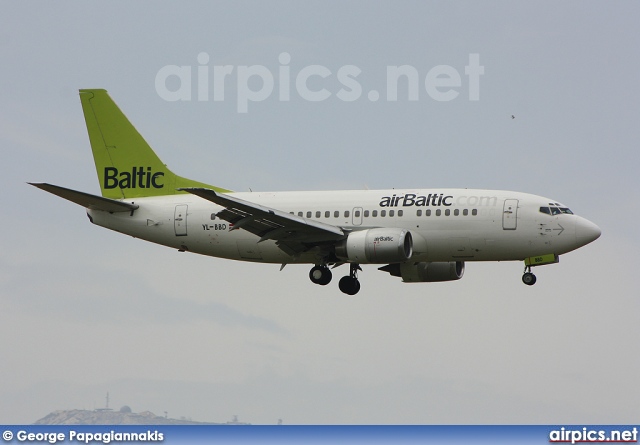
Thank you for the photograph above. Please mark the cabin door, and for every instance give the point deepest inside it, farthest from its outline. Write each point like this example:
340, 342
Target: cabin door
510, 214
180, 220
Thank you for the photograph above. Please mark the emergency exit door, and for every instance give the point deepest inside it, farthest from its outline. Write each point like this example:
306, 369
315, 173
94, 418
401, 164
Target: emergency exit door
357, 216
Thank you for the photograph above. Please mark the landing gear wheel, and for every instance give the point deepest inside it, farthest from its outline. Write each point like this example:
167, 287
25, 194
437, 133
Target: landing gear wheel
320, 275
529, 279
349, 285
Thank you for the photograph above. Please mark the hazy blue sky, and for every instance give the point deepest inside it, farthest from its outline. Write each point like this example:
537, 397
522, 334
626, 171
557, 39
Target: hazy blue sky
84, 311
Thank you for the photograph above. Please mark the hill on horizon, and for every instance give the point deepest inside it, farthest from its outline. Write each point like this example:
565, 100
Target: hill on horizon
122, 417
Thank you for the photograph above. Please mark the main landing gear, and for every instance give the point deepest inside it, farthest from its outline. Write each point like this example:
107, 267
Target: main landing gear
320, 275
528, 278
349, 284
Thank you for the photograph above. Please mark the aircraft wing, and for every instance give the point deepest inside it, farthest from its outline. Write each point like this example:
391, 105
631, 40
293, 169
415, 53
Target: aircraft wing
293, 234
87, 199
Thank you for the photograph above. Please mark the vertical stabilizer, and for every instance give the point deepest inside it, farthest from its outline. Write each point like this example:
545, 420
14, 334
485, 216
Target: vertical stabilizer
127, 167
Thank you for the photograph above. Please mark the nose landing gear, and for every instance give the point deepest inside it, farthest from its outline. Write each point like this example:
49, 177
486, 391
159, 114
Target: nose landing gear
528, 278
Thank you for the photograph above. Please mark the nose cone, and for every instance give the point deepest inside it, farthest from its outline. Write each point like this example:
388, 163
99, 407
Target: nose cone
586, 231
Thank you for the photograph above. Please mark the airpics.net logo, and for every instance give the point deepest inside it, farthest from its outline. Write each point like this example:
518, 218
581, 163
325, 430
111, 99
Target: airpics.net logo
256, 83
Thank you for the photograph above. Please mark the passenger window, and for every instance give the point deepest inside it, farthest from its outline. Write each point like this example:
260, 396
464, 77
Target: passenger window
366, 213
427, 212
383, 213
474, 212
318, 214
465, 212
308, 214
447, 212
400, 213
346, 213
438, 212
391, 212
418, 212
327, 214
336, 214
357, 213
213, 216
456, 212
374, 213
299, 213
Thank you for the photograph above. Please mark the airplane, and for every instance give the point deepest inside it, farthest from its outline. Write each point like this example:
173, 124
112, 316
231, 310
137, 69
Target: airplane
418, 235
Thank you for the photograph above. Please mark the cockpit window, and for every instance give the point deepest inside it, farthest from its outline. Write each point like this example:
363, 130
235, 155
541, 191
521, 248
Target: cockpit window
553, 210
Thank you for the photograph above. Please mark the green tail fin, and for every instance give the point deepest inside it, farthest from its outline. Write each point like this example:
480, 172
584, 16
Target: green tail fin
127, 167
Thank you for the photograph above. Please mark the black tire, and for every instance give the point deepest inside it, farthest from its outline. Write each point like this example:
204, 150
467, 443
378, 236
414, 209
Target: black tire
320, 275
349, 285
529, 279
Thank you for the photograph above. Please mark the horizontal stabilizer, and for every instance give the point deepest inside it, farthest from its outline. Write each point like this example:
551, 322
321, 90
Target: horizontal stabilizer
87, 200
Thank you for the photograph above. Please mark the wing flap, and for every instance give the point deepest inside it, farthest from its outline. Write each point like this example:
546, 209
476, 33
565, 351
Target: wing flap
86, 199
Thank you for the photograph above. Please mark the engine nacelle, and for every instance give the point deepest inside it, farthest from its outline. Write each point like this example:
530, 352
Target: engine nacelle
376, 246
426, 272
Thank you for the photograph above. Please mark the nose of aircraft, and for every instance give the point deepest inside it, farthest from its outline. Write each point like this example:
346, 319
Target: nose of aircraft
586, 231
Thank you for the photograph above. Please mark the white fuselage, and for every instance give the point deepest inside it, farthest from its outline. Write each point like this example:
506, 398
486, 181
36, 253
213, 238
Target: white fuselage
446, 224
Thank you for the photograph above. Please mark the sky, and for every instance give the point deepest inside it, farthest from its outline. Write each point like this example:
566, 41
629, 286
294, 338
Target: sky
85, 311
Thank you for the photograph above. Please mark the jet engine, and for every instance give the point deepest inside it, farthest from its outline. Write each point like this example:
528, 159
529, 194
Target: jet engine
426, 272
376, 246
